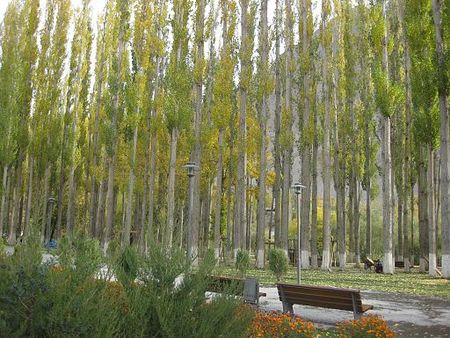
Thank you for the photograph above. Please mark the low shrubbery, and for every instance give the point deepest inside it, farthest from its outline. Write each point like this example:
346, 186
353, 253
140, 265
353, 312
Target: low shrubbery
72, 299
242, 262
278, 263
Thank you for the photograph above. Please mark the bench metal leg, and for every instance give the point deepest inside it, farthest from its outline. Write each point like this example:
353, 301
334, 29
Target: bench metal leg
288, 308
356, 315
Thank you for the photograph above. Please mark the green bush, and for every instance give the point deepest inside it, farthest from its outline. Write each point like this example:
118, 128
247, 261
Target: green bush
242, 262
278, 263
71, 299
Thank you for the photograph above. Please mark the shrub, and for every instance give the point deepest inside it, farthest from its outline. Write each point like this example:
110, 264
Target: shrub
367, 326
242, 262
278, 263
275, 324
72, 300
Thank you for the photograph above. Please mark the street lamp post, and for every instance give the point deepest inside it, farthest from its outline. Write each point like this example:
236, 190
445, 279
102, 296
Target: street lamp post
190, 167
297, 190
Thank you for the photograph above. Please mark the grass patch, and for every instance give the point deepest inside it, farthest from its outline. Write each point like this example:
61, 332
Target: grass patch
401, 282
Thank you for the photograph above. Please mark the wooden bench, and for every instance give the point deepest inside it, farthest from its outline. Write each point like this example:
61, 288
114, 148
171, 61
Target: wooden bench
247, 288
320, 296
368, 263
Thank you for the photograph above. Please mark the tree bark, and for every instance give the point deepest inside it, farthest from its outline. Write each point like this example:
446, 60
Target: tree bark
326, 169
240, 223
197, 151
44, 235
4, 199
431, 220
218, 204
277, 127
168, 238
388, 266
423, 210
306, 144
131, 181
15, 221
314, 253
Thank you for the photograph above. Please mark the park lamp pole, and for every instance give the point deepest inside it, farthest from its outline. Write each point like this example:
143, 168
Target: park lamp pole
190, 167
297, 190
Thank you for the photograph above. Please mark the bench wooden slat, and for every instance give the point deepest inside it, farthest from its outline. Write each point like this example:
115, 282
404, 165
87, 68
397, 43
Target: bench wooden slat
326, 297
300, 299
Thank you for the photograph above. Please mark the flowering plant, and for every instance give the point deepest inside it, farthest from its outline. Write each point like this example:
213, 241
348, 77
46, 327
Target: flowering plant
276, 324
367, 326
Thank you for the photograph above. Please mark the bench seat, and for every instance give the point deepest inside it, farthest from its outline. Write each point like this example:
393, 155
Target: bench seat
321, 296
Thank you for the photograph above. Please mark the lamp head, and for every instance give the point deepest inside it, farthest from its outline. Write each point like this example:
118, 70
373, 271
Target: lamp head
298, 188
190, 167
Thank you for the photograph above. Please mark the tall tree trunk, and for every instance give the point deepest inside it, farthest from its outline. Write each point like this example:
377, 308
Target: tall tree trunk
197, 151
4, 199
168, 238
314, 253
16, 203
388, 266
357, 224
443, 105
26, 225
277, 127
62, 177
287, 122
261, 211
431, 220
306, 146
131, 181
70, 216
423, 210
150, 232
45, 236
205, 218
109, 219
112, 158
218, 207
350, 228
400, 224
326, 168
407, 217
240, 223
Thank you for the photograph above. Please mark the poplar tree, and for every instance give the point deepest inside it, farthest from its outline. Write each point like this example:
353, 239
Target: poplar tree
223, 105
264, 90
442, 77
286, 139
177, 103
118, 64
307, 123
325, 34
9, 116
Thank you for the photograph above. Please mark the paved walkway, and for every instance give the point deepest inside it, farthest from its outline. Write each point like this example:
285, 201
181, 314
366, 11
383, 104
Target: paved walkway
408, 316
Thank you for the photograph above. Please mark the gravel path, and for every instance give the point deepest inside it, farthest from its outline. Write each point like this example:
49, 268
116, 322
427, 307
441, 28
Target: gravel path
408, 315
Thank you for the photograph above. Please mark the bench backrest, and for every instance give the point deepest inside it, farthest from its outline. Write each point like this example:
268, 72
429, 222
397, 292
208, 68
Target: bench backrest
220, 284
328, 297
248, 288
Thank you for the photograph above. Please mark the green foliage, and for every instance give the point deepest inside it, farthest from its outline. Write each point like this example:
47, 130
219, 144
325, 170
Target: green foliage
72, 299
242, 261
278, 263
